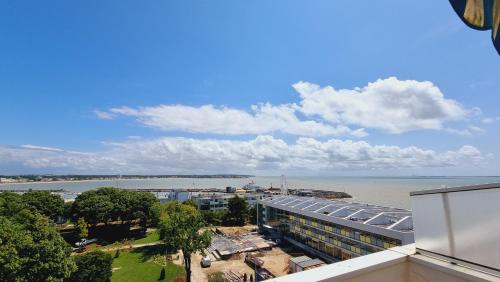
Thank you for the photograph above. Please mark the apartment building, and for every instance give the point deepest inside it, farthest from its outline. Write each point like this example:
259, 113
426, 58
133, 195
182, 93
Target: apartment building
219, 201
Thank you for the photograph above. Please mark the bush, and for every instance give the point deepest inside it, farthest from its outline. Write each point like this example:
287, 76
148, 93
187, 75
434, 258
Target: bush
214, 217
117, 253
162, 274
217, 277
95, 266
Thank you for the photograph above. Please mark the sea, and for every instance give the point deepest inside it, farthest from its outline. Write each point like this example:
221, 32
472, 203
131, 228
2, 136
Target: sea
385, 191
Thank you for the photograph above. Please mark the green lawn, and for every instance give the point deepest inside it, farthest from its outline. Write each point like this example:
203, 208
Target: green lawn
143, 265
151, 237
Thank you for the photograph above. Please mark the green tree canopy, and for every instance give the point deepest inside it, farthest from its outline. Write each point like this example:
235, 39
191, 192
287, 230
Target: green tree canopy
31, 249
237, 209
95, 266
11, 204
252, 214
81, 228
111, 204
190, 202
180, 228
45, 203
214, 217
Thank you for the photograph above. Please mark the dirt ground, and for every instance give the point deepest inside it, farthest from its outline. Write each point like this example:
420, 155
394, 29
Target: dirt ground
200, 274
237, 230
276, 261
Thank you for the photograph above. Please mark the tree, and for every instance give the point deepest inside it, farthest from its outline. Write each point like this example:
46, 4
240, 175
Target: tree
81, 229
111, 204
45, 203
214, 217
94, 208
31, 249
190, 202
95, 266
162, 274
11, 204
181, 229
252, 214
236, 211
142, 207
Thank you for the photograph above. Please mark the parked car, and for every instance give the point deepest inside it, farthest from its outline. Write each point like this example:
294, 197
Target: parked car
84, 242
206, 261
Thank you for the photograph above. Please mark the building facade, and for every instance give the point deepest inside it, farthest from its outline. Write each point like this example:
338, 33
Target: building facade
219, 201
335, 230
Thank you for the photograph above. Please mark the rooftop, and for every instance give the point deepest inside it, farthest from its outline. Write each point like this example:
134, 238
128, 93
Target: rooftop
387, 218
394, 265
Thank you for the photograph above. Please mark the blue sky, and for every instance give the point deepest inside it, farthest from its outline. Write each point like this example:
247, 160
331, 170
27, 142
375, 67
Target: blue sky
124, 86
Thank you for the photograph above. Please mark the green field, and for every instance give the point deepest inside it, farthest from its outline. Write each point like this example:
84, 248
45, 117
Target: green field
143, 265
151, 237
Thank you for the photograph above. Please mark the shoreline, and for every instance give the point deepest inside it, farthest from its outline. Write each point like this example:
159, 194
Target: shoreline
115, 179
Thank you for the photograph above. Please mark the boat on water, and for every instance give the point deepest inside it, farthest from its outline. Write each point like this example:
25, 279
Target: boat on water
252, 186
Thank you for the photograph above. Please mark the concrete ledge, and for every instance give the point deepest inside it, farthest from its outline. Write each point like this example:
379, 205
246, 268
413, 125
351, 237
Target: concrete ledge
348, 268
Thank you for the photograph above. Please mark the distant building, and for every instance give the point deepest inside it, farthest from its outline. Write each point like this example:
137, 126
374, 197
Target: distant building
219, 201
335, 230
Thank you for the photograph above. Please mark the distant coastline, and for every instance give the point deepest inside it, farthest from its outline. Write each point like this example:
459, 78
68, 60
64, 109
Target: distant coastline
33, 179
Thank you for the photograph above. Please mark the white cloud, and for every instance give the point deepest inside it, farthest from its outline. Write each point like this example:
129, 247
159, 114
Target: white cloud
264, 118
469, 131
490, 120
263, 154
104, 115
392, 105
41, 148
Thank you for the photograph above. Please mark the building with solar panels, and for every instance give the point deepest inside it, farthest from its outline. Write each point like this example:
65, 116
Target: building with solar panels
332, 229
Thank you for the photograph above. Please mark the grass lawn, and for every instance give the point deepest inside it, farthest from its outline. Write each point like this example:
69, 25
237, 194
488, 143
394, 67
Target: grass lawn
143, 265
151, 237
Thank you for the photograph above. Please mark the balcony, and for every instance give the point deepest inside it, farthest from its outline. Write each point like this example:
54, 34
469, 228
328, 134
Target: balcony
456, 239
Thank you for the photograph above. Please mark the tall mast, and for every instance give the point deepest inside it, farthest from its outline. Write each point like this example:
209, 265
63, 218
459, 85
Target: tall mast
284, 189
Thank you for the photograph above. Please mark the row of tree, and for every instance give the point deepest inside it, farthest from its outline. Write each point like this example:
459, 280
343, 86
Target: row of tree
31, 249
105, 205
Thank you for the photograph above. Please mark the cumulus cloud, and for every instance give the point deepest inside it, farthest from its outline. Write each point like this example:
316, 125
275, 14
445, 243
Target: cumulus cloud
261, 154
263, 118
392, 105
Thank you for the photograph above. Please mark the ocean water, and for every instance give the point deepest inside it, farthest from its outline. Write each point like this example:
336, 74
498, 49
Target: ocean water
387, 191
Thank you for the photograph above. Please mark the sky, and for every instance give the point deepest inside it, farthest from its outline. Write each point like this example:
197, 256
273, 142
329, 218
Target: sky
389, 88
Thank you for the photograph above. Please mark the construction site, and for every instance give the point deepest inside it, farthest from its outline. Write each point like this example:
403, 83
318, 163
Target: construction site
240, 252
